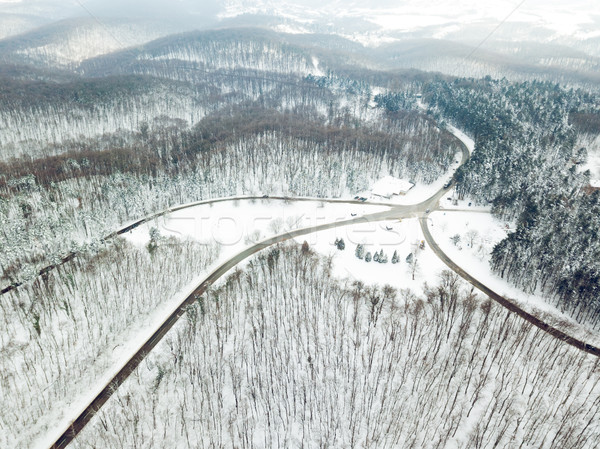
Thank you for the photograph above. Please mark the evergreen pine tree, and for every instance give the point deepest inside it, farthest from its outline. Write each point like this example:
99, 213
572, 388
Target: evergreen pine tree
154, 239
360, 251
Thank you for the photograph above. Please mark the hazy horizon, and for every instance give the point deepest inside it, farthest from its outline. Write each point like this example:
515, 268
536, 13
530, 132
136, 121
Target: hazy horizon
576, 16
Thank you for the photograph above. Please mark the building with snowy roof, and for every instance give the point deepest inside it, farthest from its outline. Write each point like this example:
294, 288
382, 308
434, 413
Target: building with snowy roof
390, 186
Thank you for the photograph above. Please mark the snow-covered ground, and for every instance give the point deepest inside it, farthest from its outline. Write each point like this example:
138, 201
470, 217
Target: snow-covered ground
287, 357
420, 192
237, 224
478, 233
403, 236
450, 201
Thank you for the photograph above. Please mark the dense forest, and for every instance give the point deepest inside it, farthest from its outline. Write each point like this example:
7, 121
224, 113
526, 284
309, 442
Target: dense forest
282, 352
526, 163
284, 355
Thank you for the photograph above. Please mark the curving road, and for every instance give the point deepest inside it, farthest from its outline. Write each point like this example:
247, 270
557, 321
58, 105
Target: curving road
99, 400
557, 333
137, 223
419, 210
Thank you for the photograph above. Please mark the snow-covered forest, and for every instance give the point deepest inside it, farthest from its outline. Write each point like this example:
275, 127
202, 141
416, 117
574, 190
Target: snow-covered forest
281, 354
526, 163
59, 203
101, 126
63, 331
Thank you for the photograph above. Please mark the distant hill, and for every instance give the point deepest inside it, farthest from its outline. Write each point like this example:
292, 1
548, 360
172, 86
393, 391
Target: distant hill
230, 49
14, 24
66, 43
509, 60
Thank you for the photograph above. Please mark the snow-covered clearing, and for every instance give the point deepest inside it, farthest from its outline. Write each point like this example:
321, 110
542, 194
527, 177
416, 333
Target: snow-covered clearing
237, 224
403, 236
478, 233
450, 201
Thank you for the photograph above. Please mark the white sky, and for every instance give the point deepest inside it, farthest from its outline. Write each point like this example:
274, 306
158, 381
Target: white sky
572, 17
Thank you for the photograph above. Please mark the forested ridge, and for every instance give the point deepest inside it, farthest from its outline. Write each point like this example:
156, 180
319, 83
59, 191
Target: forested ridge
83, 154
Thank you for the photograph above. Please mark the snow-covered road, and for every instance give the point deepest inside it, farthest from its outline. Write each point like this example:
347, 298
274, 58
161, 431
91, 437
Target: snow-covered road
68, 429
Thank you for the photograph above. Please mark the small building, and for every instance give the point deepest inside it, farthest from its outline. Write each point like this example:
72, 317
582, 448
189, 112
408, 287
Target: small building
390, 186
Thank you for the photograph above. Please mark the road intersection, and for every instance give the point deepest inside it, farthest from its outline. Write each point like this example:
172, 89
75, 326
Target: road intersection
420, 211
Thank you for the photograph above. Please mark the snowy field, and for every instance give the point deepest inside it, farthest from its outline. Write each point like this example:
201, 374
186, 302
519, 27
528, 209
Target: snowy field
403, 237
236, 224
478, 233
232, 225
